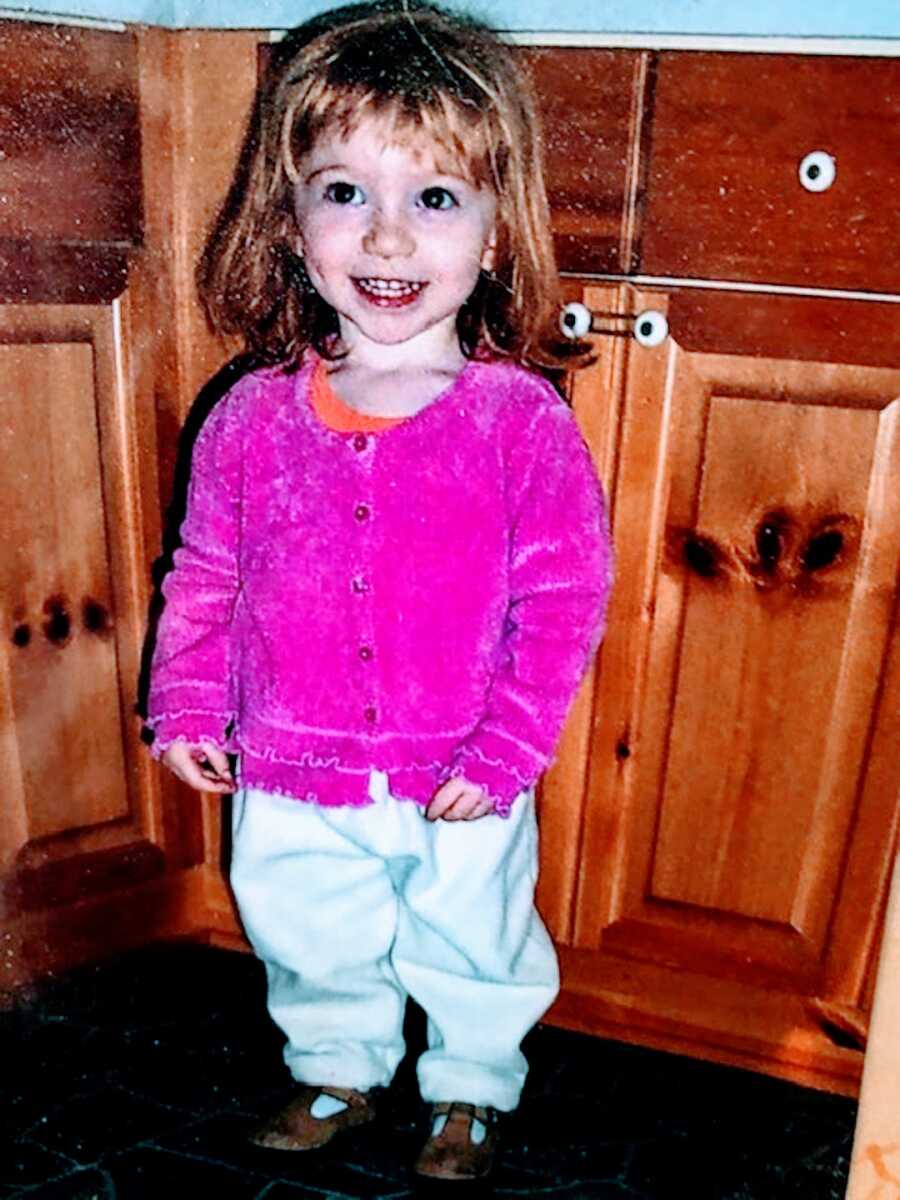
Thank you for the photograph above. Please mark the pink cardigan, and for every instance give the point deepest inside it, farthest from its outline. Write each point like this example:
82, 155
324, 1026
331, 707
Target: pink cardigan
423, 600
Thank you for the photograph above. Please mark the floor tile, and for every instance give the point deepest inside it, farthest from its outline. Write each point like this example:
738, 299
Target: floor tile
24, 1163
362, 1165
84, 1128
148, 1174
143, 1077
87, 1184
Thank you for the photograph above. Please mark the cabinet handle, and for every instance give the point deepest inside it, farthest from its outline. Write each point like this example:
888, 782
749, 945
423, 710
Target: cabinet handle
817, 171
648, 328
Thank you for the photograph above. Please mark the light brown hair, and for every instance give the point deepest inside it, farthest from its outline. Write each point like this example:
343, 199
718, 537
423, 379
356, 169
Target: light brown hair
426, 74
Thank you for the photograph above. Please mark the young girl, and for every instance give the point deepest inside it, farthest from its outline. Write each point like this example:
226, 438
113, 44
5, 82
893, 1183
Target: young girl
393, 570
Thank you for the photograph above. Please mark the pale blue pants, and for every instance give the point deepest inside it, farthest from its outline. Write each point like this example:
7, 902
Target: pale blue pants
354, 909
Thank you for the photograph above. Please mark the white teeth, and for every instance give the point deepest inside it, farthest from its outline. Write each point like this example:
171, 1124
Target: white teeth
389, 287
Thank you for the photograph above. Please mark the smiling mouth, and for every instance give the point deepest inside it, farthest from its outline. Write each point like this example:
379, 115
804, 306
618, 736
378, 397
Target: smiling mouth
389, 293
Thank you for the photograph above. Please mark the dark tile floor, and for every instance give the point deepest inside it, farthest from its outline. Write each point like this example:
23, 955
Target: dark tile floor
140, 1078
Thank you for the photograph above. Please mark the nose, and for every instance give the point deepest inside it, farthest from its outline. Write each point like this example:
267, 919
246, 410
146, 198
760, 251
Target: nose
388, 236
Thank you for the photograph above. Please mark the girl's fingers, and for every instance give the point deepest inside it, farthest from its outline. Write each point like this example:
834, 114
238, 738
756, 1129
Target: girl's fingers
203, 767
482, 809
443, 799
218, 761
459, 800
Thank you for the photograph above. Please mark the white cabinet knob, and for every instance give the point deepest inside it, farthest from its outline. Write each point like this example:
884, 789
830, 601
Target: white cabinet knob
575, 320
817, 171
650, 328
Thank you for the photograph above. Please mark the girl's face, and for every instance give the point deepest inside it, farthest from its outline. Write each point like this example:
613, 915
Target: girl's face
393, 243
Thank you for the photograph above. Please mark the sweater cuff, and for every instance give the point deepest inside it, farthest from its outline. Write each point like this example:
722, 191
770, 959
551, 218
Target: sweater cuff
500, 780
191, 727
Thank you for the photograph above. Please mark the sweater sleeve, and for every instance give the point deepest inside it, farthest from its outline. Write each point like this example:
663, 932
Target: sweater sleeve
190, 689
560, 577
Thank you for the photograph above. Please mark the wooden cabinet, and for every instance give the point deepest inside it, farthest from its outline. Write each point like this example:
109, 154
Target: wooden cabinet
738, 771
719, 827
94, 854
70, 182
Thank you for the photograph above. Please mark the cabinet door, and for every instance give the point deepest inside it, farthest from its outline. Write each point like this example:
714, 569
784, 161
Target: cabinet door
742, 774
83, 839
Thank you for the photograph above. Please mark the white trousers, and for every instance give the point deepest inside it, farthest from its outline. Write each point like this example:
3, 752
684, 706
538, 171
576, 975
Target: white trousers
354, 909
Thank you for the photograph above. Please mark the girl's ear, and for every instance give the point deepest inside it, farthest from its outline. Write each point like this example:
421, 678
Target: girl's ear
489, 253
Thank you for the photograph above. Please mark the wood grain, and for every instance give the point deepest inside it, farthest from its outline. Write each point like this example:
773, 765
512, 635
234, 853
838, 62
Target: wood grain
724, 200
592, 105
69, 135
741, 791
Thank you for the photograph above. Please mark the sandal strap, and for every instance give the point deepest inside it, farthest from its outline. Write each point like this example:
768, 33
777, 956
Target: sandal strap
487, 1116
349, 1096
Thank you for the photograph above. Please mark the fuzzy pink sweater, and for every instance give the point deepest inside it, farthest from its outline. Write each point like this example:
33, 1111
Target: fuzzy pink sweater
423, 600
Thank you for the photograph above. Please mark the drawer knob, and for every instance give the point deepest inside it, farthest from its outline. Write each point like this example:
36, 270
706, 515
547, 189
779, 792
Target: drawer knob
576, 321
817, 171
649, 328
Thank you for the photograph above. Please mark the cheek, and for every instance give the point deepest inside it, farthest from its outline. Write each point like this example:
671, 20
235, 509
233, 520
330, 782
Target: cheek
464, 264
326, 242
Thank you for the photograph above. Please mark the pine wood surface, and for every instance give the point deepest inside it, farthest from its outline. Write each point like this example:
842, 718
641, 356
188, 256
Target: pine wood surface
69, 132
724, 200
592, 106
742, 776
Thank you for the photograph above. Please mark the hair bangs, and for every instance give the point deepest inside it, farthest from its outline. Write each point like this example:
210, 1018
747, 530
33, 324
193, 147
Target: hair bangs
461, 139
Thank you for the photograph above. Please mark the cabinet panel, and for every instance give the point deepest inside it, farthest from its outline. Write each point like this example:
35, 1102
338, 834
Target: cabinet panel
724, 196
592, 108
767, 599
62, 670
83, 820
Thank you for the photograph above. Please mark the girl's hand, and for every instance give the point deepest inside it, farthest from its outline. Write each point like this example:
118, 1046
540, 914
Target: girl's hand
202, 766
459, 800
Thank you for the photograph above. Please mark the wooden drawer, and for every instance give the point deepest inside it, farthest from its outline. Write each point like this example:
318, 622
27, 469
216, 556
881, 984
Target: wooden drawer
591, 106
724, 196
69, 139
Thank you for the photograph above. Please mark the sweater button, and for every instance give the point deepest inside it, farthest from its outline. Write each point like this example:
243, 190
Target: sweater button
360, 441
365, 653
361, 512
359, 584
371, 714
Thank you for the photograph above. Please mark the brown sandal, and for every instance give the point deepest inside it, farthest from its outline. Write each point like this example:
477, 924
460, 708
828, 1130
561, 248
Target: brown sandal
295, 1127
453, 1153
